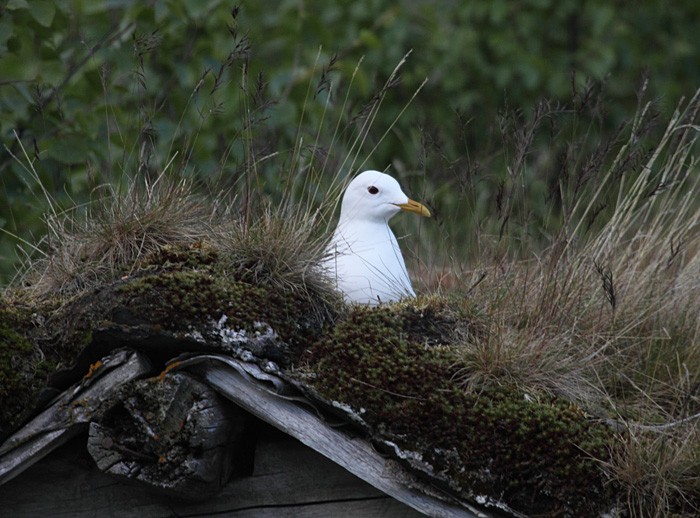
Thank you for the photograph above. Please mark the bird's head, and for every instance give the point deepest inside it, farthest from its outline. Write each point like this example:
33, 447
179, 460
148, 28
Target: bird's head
375, 196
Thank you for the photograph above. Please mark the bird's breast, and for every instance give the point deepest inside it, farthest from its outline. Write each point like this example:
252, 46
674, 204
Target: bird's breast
367, 265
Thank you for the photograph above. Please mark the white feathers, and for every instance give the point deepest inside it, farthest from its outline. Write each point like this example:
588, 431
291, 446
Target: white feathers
364, 257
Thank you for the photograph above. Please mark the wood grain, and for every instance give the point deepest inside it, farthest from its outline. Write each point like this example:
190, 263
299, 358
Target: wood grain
70, 414
288, 480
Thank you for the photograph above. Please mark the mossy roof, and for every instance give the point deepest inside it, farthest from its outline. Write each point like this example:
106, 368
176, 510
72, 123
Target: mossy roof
397, 366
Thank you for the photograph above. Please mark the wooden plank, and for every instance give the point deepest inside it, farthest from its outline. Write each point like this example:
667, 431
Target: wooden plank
289, 479
287, 472
69, 415
234, 381
384, 507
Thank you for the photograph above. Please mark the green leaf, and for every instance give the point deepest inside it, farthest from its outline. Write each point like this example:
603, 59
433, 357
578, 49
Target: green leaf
5, 32
14, 68
17, 4
69, 149
52, 72
43, 11
370, 39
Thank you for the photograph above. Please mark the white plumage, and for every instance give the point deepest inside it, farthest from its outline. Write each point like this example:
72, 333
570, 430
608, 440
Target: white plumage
365, 260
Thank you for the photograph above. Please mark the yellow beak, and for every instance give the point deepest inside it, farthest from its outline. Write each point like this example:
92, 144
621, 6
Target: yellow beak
414, 206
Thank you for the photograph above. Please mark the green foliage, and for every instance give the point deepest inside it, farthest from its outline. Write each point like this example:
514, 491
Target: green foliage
99, 90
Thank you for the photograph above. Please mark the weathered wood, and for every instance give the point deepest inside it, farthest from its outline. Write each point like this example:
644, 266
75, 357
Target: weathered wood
288, 480
174, 434
69, 414
243, 384
118, 444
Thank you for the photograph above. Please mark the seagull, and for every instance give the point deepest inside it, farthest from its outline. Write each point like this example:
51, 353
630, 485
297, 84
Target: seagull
364, 258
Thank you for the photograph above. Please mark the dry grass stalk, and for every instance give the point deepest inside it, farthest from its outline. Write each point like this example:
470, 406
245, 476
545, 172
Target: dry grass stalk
610, 320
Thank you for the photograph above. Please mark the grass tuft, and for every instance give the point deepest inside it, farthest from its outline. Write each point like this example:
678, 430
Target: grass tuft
279, 248
86, 248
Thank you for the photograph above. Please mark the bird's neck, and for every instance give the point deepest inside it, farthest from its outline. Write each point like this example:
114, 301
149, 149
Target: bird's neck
364, 223
364, 230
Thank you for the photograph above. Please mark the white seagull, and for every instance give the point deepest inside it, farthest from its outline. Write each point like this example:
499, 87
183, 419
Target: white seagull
364, 258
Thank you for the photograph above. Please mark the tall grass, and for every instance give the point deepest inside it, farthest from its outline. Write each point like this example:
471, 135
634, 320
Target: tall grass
608, 317
86, 247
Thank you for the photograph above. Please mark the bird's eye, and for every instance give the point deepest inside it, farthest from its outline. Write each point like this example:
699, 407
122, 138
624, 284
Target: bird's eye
372, 189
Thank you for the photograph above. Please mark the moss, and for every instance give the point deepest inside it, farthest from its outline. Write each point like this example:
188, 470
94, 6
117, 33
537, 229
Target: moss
197, 255
23, 368
397, 364
190, 288
182, 299
15, 353
177, 288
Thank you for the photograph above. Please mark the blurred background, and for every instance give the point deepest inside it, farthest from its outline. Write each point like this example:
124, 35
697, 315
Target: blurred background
271, 97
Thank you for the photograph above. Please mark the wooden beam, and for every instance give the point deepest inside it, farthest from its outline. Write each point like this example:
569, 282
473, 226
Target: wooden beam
69, 414
258, 393
289, 479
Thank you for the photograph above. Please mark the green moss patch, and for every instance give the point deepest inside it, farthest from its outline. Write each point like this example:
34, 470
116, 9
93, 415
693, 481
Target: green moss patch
198, 255
23, 367
190, 287
192, 299
392, 364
